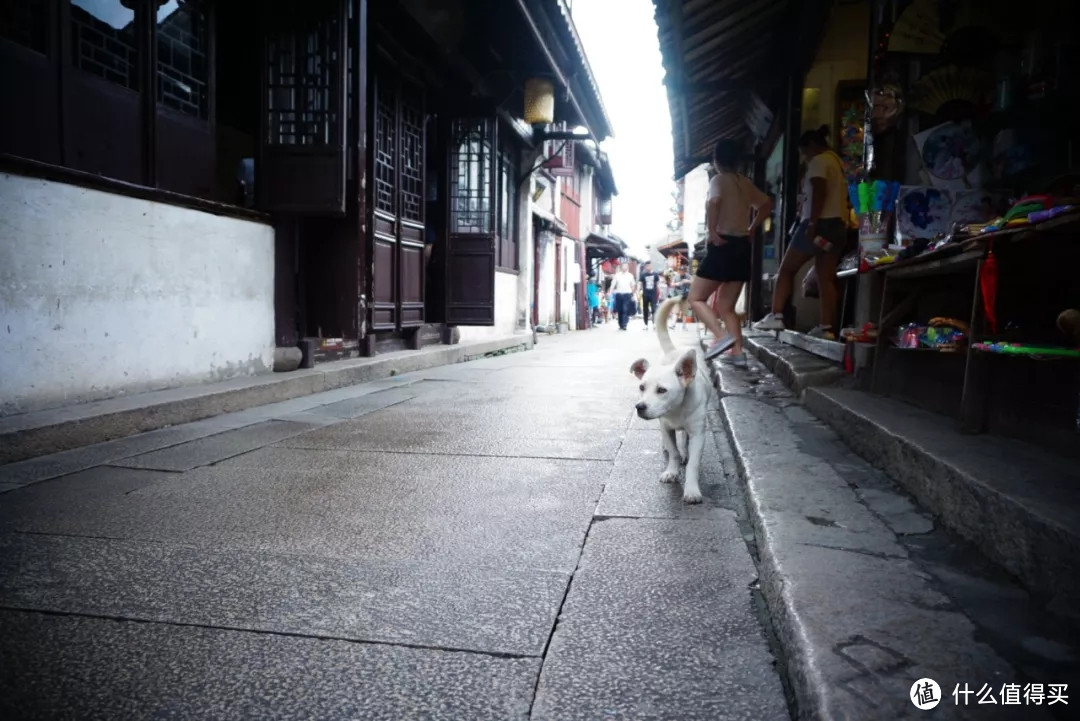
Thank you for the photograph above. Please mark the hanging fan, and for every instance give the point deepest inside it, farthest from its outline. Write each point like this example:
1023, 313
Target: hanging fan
919, 29
931, 92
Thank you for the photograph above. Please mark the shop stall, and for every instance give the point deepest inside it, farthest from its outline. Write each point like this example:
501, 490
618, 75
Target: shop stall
968, 199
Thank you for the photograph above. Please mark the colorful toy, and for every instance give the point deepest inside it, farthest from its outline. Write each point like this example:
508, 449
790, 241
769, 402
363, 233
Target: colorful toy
853, 196
1030, 204
907, 336
1028, 350
864, 197
891, 196
878, 194
1042, 215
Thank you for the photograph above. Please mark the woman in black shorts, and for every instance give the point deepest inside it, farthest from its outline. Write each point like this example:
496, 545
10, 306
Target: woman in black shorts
733, 211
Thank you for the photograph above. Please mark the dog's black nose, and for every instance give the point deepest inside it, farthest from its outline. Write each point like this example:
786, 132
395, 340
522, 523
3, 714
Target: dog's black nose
641, 406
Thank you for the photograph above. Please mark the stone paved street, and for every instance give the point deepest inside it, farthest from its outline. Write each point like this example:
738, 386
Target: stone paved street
480, 541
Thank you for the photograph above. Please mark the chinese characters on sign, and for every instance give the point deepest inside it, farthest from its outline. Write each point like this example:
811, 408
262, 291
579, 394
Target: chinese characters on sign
1012, 694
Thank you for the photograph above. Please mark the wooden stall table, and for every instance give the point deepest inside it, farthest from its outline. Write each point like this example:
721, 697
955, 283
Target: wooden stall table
907, 283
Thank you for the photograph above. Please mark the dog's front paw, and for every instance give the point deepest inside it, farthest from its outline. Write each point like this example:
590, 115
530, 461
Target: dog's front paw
691, 495
669, 477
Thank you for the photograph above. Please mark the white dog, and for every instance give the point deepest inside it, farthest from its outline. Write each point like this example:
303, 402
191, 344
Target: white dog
677, 392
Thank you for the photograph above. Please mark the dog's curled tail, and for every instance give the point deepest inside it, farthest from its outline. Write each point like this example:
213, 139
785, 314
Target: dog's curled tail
662, 315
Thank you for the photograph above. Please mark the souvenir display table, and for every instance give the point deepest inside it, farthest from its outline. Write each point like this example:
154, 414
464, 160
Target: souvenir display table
967, 267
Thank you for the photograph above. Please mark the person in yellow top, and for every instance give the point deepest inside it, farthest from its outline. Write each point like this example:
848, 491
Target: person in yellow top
821, 234
734, 209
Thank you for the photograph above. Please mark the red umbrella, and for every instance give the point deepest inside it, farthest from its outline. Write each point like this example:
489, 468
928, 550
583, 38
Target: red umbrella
988, 283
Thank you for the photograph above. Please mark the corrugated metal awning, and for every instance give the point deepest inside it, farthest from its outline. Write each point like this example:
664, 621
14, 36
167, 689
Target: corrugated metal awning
727, 63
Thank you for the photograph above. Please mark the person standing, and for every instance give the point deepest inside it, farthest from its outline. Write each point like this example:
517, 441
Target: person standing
622, 287
821, 234
734, 209
650, 288
592, 291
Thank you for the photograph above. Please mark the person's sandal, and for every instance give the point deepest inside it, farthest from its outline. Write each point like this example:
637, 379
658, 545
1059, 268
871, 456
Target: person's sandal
719, 346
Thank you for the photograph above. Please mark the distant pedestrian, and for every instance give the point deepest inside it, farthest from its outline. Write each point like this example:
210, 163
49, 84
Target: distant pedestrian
733, 211
650, 289
622, 287
592, 291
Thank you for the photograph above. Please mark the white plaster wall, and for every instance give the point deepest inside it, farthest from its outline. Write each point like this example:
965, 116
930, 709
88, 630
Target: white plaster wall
571, 275
546, 296
103, 295
506, 297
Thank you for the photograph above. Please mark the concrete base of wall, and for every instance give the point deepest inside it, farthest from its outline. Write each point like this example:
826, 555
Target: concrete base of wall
51, 431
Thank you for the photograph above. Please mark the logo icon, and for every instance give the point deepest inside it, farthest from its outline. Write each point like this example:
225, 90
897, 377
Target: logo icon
925, 694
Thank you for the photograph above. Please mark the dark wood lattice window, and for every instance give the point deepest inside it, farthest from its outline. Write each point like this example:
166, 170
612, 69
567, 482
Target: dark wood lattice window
385, 148
303, 69
104, 41
26, 23
412, 154
471, 195
183, 64
508, 202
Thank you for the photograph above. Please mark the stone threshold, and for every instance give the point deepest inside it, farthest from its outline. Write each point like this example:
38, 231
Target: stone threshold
38, 433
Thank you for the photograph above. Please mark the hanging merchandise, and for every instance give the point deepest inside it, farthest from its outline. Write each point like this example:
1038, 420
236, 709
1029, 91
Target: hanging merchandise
884, 107
952, 156
988, 284
851, 148
950, 84
922, 212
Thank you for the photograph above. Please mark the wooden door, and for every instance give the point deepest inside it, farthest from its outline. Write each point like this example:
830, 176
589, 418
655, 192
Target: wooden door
470, 247
558, 280
398, 206
302, 154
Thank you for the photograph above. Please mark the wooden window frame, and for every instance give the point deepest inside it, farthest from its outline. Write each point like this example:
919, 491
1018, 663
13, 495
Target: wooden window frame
146, 181
508, 199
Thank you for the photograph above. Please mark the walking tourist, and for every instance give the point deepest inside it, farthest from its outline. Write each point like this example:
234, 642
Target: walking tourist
622, 287
734, 209
650, 289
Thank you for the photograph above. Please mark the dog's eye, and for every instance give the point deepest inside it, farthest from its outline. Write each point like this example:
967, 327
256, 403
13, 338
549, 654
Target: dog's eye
642, 388
661, 389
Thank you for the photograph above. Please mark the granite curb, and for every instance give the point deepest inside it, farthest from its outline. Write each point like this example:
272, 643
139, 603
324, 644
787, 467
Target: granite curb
857, 619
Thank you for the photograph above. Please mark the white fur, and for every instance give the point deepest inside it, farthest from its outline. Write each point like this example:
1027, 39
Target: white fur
676, 391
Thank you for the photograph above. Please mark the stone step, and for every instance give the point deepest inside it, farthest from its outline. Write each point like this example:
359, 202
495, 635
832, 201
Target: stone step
867, 594
1019, 504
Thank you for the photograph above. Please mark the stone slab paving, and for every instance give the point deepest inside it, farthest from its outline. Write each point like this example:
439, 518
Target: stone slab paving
436, 545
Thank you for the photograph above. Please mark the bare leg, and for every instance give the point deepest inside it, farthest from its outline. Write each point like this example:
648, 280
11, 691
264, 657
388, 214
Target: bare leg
825, 265
785, 277
727, 296
700, 290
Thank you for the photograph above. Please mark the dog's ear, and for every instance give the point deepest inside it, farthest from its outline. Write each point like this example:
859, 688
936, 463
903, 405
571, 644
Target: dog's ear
686, 367
639, 367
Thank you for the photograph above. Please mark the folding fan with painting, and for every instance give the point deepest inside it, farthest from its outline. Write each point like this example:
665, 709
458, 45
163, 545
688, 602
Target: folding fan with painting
948, 84
920, 29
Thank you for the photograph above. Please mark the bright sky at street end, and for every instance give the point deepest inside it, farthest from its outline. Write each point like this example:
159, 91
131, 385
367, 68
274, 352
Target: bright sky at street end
624, 52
